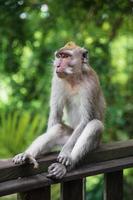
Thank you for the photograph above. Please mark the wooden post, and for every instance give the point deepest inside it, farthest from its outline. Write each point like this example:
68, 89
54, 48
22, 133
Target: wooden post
113, 185
72, 190
36, 194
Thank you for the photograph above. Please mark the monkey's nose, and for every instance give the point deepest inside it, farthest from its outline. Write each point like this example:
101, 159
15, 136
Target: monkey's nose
59, 69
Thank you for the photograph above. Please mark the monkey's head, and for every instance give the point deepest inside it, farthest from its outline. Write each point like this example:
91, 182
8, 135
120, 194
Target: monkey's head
70, 60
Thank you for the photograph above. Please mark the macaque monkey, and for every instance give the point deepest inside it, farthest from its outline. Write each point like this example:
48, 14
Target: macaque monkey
76, 94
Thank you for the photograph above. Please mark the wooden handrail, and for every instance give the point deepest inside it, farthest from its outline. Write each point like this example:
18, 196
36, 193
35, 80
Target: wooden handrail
109, 158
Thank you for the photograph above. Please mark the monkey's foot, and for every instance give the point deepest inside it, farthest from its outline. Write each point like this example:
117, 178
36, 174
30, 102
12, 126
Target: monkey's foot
64, 159
23, 158
56, 171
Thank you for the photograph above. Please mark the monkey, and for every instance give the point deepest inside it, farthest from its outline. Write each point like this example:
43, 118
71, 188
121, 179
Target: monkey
76, 119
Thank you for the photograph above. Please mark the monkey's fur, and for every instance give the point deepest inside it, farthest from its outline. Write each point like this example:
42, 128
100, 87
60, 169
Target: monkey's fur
76, 93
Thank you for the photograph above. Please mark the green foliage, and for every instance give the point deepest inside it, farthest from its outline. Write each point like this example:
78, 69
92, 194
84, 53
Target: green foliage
9, 197
94, 187
55, 192
17, 130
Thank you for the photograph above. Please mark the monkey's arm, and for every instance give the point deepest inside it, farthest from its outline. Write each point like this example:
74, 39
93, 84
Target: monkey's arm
73, 138
56, 104
54, 117
44, 142
64, 155
85, 118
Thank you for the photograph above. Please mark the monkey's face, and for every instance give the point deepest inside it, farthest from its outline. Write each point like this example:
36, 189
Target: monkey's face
69, 62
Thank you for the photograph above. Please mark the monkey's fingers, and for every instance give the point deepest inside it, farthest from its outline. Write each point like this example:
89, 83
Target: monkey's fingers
65, 160
19, 159
34, 162
51, 170
52, 167
49, 175
56, 171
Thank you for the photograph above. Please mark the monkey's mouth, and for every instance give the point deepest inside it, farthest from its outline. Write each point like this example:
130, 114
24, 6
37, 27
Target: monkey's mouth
61, 74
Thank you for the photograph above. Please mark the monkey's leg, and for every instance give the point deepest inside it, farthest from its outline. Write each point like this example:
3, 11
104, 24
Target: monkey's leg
87, 141
81, 142
56, 135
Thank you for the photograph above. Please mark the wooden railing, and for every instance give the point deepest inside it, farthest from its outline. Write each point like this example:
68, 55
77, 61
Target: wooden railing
32, 184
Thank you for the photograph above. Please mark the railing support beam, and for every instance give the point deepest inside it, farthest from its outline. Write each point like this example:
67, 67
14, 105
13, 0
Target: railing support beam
36, 194
113, 189
72, 190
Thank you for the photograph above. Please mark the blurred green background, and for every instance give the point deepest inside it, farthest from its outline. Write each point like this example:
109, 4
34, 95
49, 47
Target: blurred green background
30, 32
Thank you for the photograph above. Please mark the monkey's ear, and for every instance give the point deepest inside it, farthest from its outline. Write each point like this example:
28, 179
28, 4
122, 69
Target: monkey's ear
85, 55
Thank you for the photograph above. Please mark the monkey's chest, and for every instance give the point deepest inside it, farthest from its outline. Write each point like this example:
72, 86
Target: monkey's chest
72, 111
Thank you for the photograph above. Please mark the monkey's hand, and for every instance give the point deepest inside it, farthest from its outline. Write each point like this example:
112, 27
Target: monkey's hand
23, 158
56, 171
64, 159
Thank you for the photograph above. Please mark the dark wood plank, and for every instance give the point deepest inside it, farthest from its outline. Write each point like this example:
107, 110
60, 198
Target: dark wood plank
72, 190
40, 180
24, 184
113, 185
9, 171
37, 194
109, 151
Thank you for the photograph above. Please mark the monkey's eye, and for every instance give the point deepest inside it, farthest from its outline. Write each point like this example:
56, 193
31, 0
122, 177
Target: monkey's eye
64, 55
